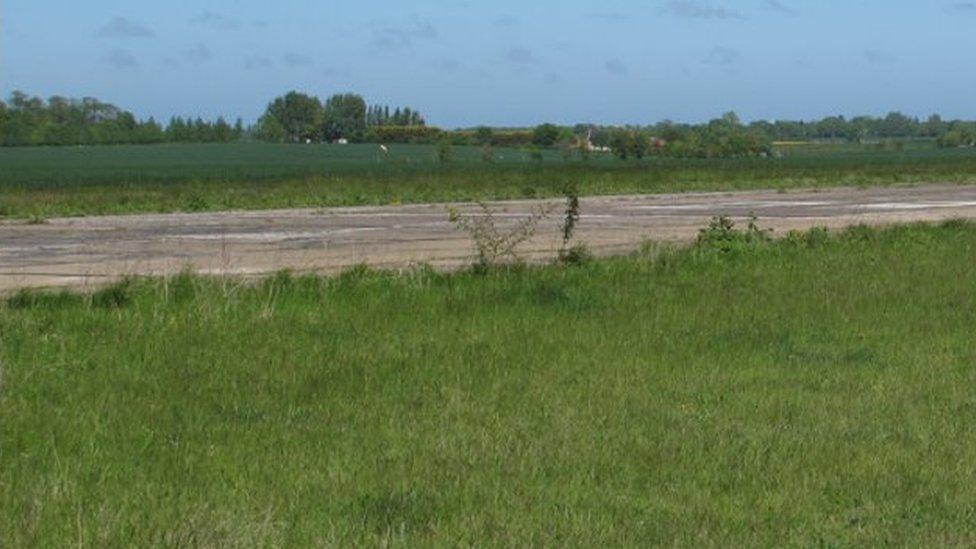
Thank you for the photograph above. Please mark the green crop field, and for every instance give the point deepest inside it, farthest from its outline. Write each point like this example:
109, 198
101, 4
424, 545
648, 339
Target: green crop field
41, 181
816, 391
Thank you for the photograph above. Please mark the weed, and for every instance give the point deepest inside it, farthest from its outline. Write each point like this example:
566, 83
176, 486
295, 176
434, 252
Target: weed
488, 154
723, 236
571, 217
195, 202
569, 253
494, 244
114, 296
39, 299
444, 152
576, 255
182, 287
816, 236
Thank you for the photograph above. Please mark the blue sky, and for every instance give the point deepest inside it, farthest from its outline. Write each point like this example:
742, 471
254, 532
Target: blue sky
504, 62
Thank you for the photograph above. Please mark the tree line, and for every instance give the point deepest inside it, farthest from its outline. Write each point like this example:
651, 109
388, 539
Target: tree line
300, 118
720, 138
59, 121
863, 129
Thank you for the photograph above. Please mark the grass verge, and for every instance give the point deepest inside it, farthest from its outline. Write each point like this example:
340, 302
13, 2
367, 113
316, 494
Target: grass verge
817, 390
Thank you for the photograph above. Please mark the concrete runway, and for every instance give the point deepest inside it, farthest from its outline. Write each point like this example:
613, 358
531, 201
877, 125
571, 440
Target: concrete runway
89, 251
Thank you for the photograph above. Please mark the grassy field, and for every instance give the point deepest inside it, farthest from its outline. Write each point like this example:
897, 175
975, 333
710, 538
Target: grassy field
815, 391
41, 182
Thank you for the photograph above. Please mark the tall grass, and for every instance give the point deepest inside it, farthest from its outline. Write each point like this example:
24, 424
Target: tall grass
81, 181
813, 391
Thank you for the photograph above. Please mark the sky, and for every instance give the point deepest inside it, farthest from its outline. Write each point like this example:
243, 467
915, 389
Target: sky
505, 62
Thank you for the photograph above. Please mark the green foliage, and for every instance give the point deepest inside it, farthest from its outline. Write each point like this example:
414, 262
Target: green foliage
488, 154
114, 296
722, 235
493, 242
405, 134
961, 135
545, 135
50, 182
297, 117
270, 130
378, 115
298, 114
344, 116
195, 202
483, 135
571, 216
444, 152
63, 121
577, 255
631, 144
809, 396
199, 131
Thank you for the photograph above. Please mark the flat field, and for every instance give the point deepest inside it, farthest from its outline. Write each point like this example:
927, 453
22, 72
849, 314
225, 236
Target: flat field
45, 182
820, 390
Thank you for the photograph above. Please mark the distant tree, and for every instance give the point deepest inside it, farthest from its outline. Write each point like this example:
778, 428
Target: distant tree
344, 115
269, 129
620, 144
545, 135
483, 135
299, 115
935, 126
639, 144
897, 124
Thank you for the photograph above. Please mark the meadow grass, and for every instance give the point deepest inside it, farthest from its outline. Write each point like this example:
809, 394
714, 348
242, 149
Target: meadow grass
45, 182
819, 390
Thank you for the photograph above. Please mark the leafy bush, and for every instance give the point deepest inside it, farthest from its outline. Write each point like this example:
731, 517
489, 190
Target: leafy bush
492, 243
722, 235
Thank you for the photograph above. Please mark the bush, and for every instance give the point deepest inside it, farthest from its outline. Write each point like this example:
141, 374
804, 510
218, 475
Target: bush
545, 135
576, 256
420, 135
722, 235
493, 244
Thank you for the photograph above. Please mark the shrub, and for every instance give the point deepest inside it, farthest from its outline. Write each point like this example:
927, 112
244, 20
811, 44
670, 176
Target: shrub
545, 135
492, 243
723, 236
576, 255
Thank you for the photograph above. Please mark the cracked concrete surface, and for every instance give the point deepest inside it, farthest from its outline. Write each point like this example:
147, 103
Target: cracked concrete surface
87, 251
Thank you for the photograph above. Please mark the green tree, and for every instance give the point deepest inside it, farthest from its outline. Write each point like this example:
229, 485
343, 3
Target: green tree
545, 135
270, 130
299, 115
344, 116
483, 135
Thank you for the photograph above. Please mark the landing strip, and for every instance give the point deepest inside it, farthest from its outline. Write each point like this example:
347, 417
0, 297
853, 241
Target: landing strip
94, 250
